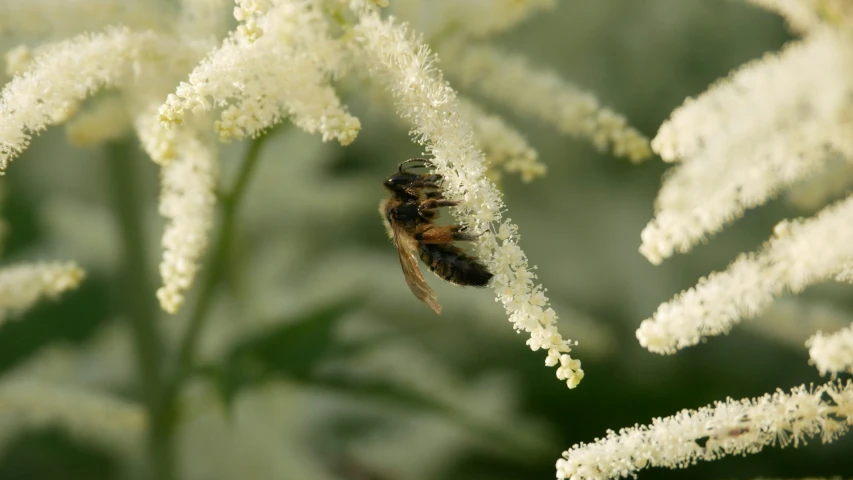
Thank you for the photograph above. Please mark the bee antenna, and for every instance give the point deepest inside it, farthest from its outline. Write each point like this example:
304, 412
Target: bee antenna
424, 161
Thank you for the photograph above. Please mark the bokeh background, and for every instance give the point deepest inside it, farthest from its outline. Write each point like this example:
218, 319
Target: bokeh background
311, 254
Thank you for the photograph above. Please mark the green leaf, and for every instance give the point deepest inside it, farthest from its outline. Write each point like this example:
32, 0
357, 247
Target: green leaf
291, 349
294, 349
73, 317
522, 448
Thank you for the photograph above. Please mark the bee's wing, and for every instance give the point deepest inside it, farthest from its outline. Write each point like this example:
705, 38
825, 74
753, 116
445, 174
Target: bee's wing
406, 249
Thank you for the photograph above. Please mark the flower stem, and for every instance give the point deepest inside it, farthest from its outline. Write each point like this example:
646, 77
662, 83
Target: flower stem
218, 261
214, 271
137, 291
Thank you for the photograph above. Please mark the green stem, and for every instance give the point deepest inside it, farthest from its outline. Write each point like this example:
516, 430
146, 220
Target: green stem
218, 261
138, 295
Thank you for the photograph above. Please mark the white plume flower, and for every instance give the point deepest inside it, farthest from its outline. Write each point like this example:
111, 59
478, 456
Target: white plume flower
49, 92
21, 286
275, 75
801, 253
426, 100
773, 90
186, 201
832, 353
773, 122
503, 145
731, 427
500, 76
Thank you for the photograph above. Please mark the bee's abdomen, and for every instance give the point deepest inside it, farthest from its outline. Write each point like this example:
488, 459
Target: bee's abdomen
454, 265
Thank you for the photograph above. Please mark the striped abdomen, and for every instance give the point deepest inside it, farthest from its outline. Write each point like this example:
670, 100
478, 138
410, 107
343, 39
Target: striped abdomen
454, 265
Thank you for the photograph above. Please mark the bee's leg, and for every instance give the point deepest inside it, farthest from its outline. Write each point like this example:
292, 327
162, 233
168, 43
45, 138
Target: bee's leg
446, 234
436, 195
433, 203
429, 215
460, 232
428, 209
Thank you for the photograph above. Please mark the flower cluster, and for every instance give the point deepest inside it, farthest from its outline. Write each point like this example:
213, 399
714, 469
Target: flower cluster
175, 78
274, 67
772, 123
832, 353
431, 106
499, 76
21, 286
731, 427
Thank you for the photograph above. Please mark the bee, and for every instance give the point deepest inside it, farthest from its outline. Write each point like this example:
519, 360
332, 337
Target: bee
408, 214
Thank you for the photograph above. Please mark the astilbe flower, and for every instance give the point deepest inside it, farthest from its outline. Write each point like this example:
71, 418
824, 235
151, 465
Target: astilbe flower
772, 123
52, 80
499, 76
458, 34
139, 65
798, 104
278, 64
275, 66
50, 90
406, 65
730, 427
832, 353
21, 286
505, 148
800, 254
502, 145
286, 48
187, 201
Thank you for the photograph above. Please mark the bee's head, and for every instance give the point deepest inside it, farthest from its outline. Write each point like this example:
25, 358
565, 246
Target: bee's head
398, 181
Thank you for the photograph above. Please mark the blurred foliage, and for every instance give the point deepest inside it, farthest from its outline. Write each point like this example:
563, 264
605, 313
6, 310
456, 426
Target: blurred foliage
580, 224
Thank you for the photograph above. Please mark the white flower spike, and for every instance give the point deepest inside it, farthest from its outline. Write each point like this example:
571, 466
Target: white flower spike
407, 66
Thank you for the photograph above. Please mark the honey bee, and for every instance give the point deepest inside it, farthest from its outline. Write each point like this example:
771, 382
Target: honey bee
409, 214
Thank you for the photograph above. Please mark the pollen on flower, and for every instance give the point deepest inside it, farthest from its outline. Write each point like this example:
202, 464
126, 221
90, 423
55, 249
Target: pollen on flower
21, 286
